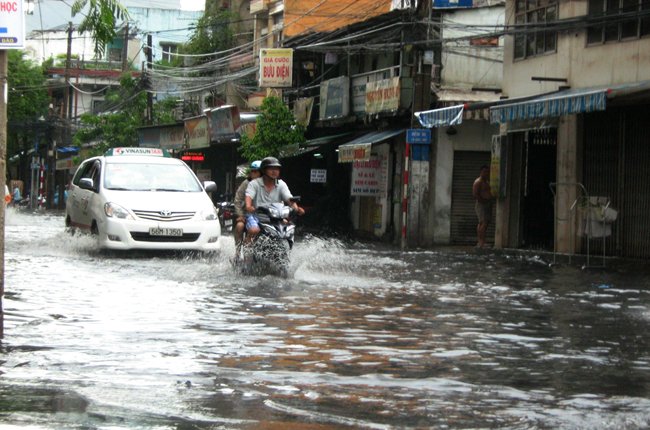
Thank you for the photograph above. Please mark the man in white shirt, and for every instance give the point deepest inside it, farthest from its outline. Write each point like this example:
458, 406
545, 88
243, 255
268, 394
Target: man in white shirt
265, 190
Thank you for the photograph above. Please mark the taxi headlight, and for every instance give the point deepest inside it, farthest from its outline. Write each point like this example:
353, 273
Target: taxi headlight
210, 214
116, 211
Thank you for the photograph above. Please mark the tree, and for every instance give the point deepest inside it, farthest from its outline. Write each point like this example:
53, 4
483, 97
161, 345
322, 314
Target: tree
213, 33
124, 112
275, 128
28, 101
101, 20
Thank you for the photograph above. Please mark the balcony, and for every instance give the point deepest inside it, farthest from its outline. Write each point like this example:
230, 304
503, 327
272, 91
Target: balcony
258, 6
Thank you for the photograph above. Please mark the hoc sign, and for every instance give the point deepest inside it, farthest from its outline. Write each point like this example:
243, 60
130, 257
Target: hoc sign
12, 24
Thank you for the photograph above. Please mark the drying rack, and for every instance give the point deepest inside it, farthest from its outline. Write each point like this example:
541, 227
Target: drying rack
583, 198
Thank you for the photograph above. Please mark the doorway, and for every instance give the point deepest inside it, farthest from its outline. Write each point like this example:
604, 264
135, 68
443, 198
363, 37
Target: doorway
537, 202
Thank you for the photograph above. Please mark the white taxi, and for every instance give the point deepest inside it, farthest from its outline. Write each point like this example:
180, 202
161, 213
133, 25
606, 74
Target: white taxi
142, 198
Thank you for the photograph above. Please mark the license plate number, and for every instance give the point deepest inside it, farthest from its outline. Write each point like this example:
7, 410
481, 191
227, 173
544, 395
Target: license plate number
154, 231
227, 222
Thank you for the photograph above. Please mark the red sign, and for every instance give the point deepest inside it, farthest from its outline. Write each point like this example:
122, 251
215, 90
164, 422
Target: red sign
193, 156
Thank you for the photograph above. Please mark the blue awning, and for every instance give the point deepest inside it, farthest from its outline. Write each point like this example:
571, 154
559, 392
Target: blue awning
442, 117
551, 105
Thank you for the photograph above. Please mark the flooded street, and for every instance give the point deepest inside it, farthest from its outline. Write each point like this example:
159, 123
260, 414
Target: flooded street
359, 337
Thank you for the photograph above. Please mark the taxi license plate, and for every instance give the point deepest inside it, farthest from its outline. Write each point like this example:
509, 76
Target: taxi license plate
154, 231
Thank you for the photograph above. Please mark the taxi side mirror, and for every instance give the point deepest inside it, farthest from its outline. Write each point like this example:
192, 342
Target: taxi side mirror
87, 184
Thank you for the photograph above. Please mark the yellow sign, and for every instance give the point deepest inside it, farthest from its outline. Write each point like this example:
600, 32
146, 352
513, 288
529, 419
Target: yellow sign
354, 152
276, 68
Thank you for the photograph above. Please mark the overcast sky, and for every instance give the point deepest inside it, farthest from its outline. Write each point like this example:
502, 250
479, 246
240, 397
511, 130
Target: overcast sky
192, 4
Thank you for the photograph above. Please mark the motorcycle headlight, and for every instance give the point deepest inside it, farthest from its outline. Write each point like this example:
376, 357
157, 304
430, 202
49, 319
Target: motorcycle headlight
113, 210
210, 214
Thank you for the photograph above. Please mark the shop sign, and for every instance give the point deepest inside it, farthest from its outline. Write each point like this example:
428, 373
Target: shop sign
335, 98
383, 95
165, 137
12, 25
193, 156
224, 122
369, 178
172, 137
276, 68
197, 132
354, 152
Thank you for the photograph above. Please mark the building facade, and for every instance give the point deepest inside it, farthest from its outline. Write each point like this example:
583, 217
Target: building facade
575, 153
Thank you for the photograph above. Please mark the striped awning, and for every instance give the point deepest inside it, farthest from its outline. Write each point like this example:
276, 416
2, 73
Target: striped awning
551, 105
442, 117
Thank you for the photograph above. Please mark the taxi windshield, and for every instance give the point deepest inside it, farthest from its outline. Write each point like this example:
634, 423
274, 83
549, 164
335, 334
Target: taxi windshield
150, 177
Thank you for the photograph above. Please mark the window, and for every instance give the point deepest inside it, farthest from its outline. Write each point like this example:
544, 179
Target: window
115, 54
278, 25
616, 20
168, 50
531, 18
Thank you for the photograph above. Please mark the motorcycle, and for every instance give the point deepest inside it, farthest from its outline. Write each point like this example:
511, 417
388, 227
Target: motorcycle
227, 216
269, 253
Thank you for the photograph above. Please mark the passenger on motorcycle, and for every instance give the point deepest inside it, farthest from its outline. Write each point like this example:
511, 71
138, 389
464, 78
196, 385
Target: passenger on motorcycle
265, 190
240, 203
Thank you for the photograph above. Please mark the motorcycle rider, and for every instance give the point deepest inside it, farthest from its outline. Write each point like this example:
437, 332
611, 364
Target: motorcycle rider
240, 204
265, 190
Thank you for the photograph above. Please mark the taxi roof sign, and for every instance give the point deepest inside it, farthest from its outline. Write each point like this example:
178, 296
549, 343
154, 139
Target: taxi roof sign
122, 151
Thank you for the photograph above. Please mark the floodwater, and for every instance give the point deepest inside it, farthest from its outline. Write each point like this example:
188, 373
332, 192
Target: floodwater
359, 337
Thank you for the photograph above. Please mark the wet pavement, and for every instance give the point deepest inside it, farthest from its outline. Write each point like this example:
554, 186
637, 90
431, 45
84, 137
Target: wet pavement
360, 336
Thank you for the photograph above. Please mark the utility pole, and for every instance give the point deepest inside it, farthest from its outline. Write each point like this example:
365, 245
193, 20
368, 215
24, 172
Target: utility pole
67, 96
149, 67
3, 176
125, 49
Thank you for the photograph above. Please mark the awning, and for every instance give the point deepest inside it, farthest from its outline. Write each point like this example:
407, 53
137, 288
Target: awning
359, 148
310, 145
442, 117
574, 101
324, 140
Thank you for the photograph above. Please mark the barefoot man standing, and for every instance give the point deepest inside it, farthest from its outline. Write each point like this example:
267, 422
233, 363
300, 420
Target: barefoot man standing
483, 196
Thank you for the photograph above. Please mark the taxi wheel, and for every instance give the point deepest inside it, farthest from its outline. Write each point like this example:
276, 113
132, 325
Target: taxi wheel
68, 226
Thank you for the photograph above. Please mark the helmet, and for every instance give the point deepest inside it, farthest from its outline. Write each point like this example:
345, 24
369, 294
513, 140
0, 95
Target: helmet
255, 165
270, 162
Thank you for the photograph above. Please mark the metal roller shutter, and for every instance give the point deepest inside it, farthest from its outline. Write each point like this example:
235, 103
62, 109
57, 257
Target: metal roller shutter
467, 165
616, 160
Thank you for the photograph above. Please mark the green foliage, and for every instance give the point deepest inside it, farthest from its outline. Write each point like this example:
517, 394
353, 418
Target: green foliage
276, 128
101, 20
118, 126
27, 105
213, 33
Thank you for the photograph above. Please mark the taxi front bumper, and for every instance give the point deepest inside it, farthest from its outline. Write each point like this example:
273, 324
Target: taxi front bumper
183, 235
